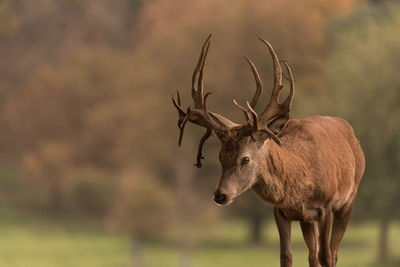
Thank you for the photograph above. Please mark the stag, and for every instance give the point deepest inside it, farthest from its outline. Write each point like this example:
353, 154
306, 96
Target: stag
307, 169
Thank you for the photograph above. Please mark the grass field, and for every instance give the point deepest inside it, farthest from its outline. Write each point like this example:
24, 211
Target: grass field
31, 241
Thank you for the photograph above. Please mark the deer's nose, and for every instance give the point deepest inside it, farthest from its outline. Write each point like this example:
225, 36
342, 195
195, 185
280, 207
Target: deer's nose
220, 198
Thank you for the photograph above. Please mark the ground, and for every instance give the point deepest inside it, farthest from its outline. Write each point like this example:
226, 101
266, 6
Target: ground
30, 240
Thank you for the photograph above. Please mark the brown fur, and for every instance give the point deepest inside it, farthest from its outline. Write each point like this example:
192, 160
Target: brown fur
317, 164
313, 176
309, 169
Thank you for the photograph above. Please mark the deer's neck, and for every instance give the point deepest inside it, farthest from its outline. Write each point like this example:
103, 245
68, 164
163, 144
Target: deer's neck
283, 180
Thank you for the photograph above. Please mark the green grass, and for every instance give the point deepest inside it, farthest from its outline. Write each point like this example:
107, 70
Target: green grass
28, 240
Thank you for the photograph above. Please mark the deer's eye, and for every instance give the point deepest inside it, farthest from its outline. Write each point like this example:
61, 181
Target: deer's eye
245, 160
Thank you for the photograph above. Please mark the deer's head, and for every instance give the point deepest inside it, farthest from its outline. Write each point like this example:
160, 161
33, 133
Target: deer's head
244, 147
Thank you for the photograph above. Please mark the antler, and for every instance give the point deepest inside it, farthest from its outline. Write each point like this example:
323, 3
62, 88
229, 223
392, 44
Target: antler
259, 85
252, 124
263, 129
271, 121
257, 94
276, 115
200, 115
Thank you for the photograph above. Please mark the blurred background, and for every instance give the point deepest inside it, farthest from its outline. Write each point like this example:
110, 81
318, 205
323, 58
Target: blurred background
90, 170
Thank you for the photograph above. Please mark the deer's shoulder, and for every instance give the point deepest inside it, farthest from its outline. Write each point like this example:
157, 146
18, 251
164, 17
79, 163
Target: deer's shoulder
318, 130
316, 124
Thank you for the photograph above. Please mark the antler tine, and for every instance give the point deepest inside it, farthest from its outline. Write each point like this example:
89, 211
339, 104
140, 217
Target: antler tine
259, 85
179, 97
265, 129
277, 73
255, 116
200, 83
200, 150
182, 126
246, 114
178, 106
197, 93
207, 115
288, 102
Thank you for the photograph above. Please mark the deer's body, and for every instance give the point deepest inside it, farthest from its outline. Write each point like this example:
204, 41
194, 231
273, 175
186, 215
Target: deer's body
308, 169
319, 163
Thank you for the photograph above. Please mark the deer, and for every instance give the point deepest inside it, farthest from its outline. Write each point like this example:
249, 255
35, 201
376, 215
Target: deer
308, 169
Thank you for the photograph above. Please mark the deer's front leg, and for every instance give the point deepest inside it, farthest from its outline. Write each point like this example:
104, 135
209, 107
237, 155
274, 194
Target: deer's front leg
325, 226
284, 235
310, 234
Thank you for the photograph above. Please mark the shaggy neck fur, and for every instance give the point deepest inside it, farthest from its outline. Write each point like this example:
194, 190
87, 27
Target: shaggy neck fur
282, 179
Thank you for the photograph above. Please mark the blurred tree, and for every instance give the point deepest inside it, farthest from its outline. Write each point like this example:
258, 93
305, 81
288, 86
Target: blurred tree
71, 101
194, 208
364, 86
91, 193
255, 212
142, 210
69, 126
48, 167
9, 20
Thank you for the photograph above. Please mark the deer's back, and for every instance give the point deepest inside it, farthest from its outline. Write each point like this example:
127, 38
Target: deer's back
333, 155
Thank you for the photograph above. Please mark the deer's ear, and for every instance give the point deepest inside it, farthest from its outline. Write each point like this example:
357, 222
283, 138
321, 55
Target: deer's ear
261, 136
277, 125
